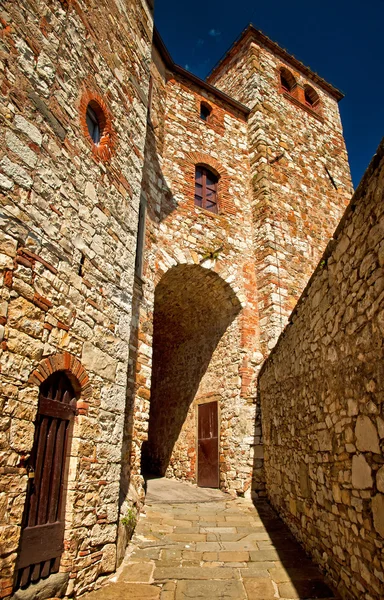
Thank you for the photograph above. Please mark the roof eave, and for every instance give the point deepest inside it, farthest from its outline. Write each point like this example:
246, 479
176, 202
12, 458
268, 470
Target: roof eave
250, 31
172, 66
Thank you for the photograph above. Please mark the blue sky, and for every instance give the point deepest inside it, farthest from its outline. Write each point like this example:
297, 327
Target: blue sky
342, 41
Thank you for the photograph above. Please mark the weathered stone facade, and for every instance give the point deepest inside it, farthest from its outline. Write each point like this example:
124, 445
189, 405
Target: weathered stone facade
144, 342
322, 403
69, 220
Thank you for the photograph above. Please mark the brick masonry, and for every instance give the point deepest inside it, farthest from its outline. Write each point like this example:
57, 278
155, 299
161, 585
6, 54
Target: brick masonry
322, 403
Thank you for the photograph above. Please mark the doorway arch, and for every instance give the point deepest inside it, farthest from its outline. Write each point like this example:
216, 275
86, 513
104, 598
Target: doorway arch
193, 308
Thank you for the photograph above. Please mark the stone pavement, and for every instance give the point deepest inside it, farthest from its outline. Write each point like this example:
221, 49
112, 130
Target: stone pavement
220, 549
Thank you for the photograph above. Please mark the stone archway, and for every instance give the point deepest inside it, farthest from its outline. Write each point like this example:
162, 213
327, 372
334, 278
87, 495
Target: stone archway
193, 309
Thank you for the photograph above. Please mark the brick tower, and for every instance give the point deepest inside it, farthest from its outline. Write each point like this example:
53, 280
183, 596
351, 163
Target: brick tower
299, 169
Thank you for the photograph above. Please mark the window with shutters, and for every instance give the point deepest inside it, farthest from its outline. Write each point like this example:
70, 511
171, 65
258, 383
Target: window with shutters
206, 184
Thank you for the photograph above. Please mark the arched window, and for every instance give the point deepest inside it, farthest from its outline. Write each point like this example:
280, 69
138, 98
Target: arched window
205, 111
287, 80
311, 97
206, 189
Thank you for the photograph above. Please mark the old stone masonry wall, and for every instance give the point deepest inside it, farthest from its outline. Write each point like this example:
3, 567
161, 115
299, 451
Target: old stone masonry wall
322, 392
69, 212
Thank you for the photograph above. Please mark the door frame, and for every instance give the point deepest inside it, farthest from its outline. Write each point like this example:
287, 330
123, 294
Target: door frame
206, 399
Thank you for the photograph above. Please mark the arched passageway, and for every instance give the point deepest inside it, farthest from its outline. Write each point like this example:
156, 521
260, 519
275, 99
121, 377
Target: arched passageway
193, 309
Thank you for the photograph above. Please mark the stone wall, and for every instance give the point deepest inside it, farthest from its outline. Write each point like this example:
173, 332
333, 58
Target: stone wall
322, 392
198, 269
298, 167
69, 211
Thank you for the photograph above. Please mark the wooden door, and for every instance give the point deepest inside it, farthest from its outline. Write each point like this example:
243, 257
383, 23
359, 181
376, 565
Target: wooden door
41, 541
208, 446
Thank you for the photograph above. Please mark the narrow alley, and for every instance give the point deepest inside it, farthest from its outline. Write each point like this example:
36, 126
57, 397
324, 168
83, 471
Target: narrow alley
193, 543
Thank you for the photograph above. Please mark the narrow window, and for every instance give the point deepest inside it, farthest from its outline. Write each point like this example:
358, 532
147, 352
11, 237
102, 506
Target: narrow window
93, 124
206, 189
150, 95
311, 97
287, 80
140, 238
205, 111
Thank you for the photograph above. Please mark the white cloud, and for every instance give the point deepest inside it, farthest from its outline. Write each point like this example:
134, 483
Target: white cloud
214, 32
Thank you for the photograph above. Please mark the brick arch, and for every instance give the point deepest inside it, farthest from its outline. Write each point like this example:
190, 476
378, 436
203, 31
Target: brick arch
73, 369
166, 260
104, 149
226, 204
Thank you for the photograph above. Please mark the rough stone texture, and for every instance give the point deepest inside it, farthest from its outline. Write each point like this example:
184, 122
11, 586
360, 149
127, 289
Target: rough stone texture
194, 324
295, 205
196, 263
206, 569
59, 204
52, 587
322, 393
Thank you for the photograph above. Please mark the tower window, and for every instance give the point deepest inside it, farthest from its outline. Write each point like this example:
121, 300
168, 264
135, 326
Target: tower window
311, 97
205, 111
287, 80
206, 189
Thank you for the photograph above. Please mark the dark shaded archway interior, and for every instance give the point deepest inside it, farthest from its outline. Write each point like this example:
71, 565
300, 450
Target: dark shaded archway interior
193, 308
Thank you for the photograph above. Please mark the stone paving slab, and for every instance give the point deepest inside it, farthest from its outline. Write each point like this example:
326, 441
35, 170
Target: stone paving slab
229, 550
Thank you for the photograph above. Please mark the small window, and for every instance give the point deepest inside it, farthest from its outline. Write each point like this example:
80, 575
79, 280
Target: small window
206, 189
205, 111
140, 238
287, 80
311, 97
93, 124
150, 96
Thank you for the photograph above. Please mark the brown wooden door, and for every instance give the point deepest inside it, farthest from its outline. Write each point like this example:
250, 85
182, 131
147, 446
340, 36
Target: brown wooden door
208, 446
41, 541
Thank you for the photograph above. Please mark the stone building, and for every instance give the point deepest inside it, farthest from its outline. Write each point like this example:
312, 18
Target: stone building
157, 230
322, 392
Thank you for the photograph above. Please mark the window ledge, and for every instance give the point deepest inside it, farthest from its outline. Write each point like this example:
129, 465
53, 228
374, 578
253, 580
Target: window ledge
297, 102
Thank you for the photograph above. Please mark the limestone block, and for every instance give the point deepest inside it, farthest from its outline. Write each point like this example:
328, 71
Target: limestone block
5, 183
367, 439
15, 172
108, 562
361, 473
23, 344
380, 479
98, 362
21, 149
304, 480
380, 427
103, 534
21, 435
324, 440
51, 587
378, 513
30, 130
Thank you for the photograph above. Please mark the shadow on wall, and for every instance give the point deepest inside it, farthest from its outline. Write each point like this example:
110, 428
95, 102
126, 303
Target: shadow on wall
161, 203
193, 309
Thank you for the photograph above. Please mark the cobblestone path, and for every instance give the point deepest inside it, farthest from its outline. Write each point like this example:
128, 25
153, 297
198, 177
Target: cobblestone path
227, 549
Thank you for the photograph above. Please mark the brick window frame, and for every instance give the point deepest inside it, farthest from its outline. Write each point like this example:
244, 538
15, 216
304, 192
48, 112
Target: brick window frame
205, 111
296, 93
206, 189
104, 149
225, 202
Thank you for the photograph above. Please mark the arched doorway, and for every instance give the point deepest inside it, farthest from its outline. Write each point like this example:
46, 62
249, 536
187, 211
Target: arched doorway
193, 309
41, 541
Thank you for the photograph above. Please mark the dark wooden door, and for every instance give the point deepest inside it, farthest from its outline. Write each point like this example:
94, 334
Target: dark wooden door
41, 541
208, 446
